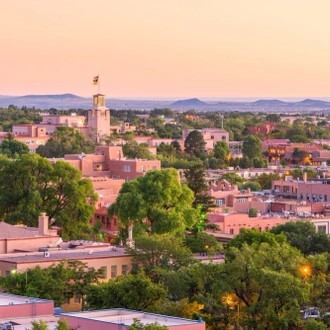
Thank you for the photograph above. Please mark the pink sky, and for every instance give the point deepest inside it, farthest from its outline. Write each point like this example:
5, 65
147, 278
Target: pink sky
166, 48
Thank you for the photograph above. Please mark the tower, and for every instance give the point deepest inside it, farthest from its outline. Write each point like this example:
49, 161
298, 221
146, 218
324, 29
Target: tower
98, 118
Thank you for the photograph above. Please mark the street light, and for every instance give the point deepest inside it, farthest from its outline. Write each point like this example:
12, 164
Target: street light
305, 270
14, 272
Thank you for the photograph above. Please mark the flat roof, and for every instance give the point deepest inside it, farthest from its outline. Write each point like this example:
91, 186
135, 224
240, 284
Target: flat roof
70, 254
7, 298
126, 317
25, 323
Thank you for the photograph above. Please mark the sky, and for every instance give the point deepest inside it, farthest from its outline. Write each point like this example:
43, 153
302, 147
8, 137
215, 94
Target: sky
166, 48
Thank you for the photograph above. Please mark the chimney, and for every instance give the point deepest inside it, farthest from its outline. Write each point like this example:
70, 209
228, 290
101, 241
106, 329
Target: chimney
305, 177
43, 224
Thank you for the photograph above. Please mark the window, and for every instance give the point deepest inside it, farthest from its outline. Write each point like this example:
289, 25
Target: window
154, 167
325, 198
142, 169
76, 298
124, 269
241, 200
322, 229
113, 271
220, 201
104, 272
231, 231
223, 138
127, 168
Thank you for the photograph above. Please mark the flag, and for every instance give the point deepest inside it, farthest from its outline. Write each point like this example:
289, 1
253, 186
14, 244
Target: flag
95, 80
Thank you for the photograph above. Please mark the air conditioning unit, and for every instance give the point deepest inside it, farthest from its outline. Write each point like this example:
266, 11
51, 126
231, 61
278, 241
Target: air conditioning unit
46, 254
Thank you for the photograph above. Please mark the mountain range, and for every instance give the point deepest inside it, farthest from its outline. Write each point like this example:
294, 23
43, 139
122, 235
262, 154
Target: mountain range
71, 101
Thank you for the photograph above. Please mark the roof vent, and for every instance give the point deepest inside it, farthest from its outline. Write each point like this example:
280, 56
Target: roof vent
46, 254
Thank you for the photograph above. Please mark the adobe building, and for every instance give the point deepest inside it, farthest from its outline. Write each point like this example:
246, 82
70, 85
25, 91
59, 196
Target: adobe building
121, 319
20, 310
211, 136
15, 239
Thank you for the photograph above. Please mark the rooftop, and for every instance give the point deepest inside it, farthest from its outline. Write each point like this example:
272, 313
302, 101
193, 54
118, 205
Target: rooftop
126, 317
10, 231
72, 254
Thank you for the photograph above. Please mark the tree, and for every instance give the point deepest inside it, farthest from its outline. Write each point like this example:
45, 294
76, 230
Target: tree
138, 325
33, 185
62, 325
232, 178
159, 197
13, 148
65, 140
195, 178
253, 212
221, 150
165, 251
136, 292
254, 186
300, 156
194, 144
132, 149
57, 282
267, 283
303, 236
252, 147
265, 180
39, 325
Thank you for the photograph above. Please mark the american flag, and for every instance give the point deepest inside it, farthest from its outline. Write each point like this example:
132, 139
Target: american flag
95, 80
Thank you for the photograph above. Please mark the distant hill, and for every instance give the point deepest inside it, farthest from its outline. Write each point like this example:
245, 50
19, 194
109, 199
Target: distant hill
71, 101
313, 103
189, 103
269, 103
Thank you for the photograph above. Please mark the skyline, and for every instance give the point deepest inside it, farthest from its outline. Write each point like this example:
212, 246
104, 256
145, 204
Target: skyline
177, 50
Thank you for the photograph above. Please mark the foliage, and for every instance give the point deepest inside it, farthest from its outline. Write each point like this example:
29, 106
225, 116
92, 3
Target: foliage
252, 147
253, 212
232, 178
136, 292
159, 197
57, 282
65, 140
195, 178
33, 185
267, 283
39, 325
303, 236
254, 186
138, 325
165, 251
62, 325
13, 148
204, 243
265, 180
132, 149
221, 150
194, 144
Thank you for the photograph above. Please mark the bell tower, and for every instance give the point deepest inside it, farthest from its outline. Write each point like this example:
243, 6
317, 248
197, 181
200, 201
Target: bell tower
98, 118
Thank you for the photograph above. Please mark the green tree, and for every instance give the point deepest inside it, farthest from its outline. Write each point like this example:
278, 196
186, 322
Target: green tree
13, 148
267, 283
195, 178
254, 186
232, 178
33, 186
136, 292
253, 212
221, 150
57, 282
132, 149
194, 144
138, 325
62, 325
39, 325
165, 251
265, 180
159, 197
66, 140
252, 147
303, 236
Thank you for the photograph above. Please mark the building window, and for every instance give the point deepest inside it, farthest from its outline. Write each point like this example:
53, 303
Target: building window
154, 167
220, 201
223, 138
142, 169
124, 269
104, 272
113, 271
77, 299
322, 229
231, 231
325, 198
241, 200
127, 168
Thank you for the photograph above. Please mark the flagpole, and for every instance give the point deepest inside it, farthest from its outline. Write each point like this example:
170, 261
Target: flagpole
98, 85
